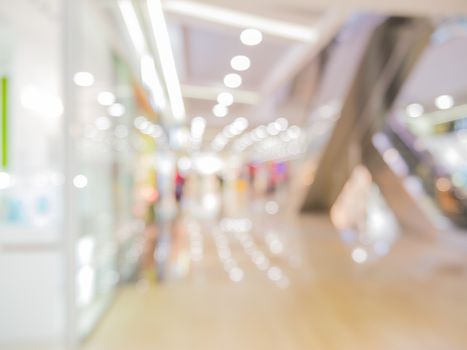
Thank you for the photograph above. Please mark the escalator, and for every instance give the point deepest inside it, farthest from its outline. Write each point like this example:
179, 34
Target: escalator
437, 181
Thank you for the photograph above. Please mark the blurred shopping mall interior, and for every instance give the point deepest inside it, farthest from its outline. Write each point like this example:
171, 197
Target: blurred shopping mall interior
248, 175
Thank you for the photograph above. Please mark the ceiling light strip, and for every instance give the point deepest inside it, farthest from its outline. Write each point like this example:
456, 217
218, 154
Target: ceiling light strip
149, 75
164, 50
210, 94
241, 20
132, 24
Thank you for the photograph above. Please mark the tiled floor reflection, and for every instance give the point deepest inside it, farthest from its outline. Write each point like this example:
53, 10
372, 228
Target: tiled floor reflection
258, 277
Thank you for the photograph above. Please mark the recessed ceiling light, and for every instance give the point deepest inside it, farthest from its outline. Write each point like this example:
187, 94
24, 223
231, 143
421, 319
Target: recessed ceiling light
241, 123
282, 123
103, 123
116, 110
414, 110
273, 128
220, 111
240, 63
251, 37
232, 80
444, 102
225, 98
84, 79
80, 181
106, 98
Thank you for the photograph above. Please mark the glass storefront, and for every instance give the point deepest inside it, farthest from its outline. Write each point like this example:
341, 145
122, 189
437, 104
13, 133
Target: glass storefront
76, 174
31, 172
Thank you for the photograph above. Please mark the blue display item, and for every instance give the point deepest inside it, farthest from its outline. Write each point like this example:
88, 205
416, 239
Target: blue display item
42, 205
15, 212
460, 124
459, 178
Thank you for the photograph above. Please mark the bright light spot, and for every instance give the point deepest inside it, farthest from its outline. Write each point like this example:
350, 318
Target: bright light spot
103, 123
271, 207
225, 98
80, 181
220, 111
198, 125
240, 123
259, 258
157, 132
414, 110
166, 58
85, 250
210, 202
164, 163
140, 122
151, 80
359, 255
443, 184
282, 123
236, 274
83, 79
240, 63
116, 110
133, 26
86, 284
41, 102
5, 180
274, 273
232, 80
251, 37
276, 247
181, 137
106, 98
452, 157
273, 129
294, 132
391, 155
444, 101
228, 131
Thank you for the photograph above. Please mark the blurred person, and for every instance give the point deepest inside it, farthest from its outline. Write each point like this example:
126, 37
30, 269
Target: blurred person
179, 186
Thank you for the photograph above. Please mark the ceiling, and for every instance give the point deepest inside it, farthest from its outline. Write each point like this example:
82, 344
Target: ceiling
203, 47
296, 9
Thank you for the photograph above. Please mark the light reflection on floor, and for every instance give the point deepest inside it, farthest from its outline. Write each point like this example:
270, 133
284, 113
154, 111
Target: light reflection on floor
256, 277
241, 235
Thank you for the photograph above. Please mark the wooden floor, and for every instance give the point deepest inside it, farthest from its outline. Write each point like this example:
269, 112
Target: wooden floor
413, 298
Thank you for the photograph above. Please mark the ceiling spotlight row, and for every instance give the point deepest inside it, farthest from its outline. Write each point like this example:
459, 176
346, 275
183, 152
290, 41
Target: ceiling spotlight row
442, 102
279, 128
239, 63
234, 129
149, 128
